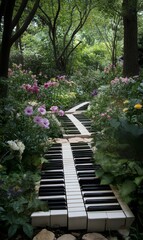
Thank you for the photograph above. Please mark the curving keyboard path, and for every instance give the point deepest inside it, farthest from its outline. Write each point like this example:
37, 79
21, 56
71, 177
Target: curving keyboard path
69, 184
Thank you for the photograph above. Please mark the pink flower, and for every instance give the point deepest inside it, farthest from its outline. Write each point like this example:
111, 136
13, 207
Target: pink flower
42, 110
54, 109
50, 84
28, 110
45, 123
61, 113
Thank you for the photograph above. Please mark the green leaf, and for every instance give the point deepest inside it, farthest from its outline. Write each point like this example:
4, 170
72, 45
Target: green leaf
99, 173
114, 123
28, 230
127, 188
107, 179
2, 209
12, 230
138, 180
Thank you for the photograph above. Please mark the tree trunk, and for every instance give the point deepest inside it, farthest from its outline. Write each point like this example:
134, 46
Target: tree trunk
130, 65
5, 48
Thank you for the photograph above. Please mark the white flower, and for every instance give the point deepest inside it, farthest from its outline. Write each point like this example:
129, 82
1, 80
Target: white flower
13, 145
16, 145
21, 146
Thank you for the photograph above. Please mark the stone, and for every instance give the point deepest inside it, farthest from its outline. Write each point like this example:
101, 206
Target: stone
124, 232
66, 237
93, 236
44, 234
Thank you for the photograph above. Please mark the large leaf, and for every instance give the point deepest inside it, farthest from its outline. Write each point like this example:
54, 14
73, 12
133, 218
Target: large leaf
127, 188
107, 179
28, 230
12, 230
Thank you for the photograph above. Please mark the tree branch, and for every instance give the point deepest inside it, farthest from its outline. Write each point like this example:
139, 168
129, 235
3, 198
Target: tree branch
19, 13
26, 23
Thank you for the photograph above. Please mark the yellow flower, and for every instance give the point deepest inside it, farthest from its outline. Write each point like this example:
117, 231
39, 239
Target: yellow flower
138, 106
126, 102
125, 109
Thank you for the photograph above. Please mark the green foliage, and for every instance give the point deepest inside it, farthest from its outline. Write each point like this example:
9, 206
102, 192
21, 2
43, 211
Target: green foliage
117, 112
19, 190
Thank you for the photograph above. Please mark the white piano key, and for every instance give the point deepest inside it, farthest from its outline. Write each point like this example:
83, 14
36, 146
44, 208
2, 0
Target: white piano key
102, 204
76, 208
71, 110
96, 221
51, 197
115, 220
58, 218
41, 219
77, 196
77, 219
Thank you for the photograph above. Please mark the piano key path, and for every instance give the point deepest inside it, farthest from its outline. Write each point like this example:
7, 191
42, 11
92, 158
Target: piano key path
74, 195
69, 185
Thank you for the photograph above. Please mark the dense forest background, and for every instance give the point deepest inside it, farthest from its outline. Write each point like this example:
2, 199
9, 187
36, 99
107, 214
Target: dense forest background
65, 36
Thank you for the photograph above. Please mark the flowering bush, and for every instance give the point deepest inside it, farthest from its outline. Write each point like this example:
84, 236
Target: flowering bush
117, 114
39, 87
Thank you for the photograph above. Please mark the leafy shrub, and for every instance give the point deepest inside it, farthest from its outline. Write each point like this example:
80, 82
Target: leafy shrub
15, 212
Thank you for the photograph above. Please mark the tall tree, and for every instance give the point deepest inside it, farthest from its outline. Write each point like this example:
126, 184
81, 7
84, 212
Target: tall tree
130, 66
64, 20
11, 13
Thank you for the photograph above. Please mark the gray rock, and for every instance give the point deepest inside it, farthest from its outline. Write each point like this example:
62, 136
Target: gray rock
44, 234
93, 236
66, 237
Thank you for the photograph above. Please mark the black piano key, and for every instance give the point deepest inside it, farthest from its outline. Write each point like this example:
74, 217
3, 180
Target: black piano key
92, 180
52, 181
82, 175
56, 204
53, 156
51, 193
51, 176
82, 160
51, 188
103, 208
51, 167
98, 194
106, 200
84, 167
95, 187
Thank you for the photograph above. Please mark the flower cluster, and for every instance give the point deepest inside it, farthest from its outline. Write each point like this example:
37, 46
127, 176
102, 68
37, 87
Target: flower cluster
50, 84
31, 88
16, 145
38, 119
108, 68
55, 109
120, 80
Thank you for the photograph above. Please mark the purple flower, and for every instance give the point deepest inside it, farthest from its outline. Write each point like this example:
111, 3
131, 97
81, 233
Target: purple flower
45, 123
42, 110
61, 113
94, 92
37, 119
54, 109
28, 110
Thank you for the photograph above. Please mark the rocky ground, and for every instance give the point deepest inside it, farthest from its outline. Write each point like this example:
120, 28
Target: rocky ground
61, 234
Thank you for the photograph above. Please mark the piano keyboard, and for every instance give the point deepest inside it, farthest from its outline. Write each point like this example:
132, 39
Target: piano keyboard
74, 195
75, 125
